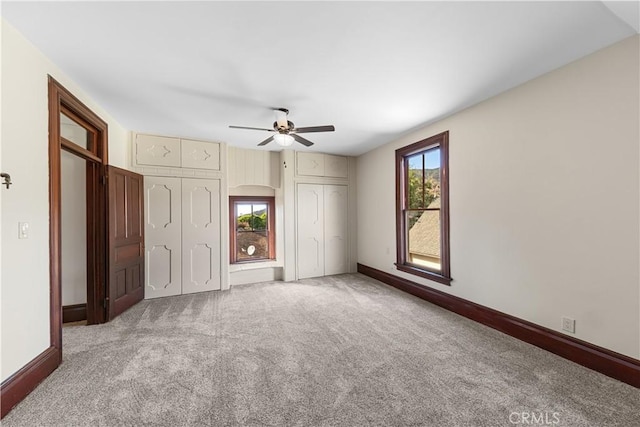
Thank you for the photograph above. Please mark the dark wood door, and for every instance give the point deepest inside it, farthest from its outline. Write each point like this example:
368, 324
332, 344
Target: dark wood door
126, 240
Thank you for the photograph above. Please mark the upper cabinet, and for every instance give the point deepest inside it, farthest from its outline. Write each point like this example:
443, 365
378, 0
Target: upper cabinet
335, 166
157, 151
318, 164
150, 150
200, 155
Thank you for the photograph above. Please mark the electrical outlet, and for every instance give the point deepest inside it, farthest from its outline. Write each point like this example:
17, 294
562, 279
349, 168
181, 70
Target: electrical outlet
569, 325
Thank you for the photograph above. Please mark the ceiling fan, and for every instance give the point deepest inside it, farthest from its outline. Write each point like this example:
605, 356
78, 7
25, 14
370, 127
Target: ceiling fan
286, 132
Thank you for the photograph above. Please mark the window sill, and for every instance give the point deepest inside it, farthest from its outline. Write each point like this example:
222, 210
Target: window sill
425, 273
253, 265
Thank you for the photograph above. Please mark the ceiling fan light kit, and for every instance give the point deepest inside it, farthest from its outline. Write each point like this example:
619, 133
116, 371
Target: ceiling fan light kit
283, 139
286, 132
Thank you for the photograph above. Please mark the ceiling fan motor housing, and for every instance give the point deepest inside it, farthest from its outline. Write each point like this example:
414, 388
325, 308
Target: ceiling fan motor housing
282, 122
282, 129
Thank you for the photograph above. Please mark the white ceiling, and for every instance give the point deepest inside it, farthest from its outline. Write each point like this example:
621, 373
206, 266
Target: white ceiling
375, 70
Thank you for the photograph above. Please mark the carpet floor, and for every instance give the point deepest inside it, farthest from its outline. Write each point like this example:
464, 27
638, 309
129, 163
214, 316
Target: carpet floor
335, 351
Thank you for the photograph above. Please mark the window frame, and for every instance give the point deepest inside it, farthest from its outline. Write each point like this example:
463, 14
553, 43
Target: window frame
90, 153
443, 275
271, 228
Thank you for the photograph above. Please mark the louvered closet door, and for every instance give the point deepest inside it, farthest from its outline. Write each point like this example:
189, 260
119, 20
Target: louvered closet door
310, 220
200, 235
163, 224
335, 229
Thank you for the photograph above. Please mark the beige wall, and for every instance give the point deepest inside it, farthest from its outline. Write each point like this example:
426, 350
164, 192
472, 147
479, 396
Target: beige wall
24, 285
544, 200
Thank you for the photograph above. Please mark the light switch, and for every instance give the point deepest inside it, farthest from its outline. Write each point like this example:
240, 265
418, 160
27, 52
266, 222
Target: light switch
23, 230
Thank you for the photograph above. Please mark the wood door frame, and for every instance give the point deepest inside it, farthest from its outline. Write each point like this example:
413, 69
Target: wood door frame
60, 99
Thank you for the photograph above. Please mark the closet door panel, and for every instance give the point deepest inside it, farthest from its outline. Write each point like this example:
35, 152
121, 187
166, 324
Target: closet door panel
335, 229
162, 236
310, 221
200, 235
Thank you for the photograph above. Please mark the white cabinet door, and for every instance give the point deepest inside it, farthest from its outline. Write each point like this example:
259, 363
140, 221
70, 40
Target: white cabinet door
310, 164
200, 235
317, 164
335, 166
310, 220
157, 151
335, 229
162, 236
200, 155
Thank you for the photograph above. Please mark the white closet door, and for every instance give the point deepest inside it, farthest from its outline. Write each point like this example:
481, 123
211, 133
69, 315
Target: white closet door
335, 229
200, 235
310, 220
162, 236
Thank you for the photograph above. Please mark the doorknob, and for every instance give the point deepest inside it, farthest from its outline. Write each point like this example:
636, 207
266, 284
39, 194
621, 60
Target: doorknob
7, 179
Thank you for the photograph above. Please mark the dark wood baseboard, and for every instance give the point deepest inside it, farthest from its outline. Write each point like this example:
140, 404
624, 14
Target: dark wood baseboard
607, 362
19, 385
74, 313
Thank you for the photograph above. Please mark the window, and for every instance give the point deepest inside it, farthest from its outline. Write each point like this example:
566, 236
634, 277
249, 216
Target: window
252, 221
77, 135
422, 199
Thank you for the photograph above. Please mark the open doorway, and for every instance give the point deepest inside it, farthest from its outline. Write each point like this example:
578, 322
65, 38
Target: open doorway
82, 223
76, 259
78, 155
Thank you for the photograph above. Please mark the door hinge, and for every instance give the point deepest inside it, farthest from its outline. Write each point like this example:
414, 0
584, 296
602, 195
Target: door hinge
105, 302
104, 179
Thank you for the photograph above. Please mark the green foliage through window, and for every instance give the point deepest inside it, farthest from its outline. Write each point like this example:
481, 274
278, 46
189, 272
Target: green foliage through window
252, 221
424, 178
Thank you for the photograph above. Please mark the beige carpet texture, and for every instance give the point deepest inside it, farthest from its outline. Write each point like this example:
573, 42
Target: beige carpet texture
334, 351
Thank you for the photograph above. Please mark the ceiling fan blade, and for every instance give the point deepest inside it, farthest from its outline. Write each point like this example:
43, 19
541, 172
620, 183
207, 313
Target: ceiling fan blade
301, 140
328, 128
250, 128
266, 141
